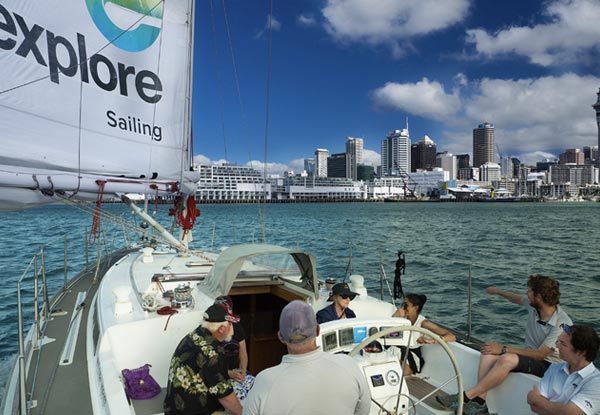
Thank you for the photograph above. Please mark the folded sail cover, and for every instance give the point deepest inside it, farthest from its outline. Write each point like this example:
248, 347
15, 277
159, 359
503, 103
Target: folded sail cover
91, 89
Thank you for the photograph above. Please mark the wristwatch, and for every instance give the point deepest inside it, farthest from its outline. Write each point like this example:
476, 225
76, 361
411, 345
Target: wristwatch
503, 350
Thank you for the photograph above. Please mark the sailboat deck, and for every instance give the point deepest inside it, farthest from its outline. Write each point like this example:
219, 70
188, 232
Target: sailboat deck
419, 388
57, 388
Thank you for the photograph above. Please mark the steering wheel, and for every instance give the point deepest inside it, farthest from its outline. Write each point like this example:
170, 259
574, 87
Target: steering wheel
457, 376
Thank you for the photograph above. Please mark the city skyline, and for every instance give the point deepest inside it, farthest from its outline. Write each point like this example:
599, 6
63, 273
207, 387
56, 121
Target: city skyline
353, 68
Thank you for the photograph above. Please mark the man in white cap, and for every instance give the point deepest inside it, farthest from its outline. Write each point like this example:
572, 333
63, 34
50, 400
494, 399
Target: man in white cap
198, 380
308, 380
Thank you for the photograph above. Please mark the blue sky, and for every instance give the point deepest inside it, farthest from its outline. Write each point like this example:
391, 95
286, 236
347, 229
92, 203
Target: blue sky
361, 67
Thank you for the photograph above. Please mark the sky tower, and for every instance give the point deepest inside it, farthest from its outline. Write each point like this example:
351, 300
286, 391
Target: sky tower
596, 106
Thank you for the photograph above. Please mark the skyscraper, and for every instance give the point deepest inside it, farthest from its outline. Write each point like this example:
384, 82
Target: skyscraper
464, 161
336, 165
571, 155
354, 156
483, 144
596, 106
448, 163
395, 153
321, 162
506, 168
309, 166
422, 154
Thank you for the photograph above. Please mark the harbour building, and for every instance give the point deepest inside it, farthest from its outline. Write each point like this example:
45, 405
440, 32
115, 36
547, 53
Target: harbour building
483, 144
305, 188
422, 154
229, 182
395, 153
321, 156
354, 156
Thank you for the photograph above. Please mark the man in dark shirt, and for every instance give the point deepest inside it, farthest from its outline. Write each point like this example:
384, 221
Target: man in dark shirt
198, 379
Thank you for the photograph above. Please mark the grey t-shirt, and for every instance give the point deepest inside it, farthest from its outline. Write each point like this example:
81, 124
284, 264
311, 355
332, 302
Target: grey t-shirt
544, 332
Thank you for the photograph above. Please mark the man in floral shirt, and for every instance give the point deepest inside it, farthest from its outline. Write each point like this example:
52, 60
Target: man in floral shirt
198, 379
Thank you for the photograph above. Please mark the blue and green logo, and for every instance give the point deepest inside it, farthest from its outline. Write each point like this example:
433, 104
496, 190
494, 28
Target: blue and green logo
120, 21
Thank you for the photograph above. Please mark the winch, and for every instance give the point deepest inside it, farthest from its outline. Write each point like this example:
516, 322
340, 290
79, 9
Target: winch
182, 297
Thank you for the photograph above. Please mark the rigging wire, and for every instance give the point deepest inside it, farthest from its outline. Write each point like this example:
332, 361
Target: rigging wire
241, 104
262, 211
237, 81
219, 80
152, 142
113, 218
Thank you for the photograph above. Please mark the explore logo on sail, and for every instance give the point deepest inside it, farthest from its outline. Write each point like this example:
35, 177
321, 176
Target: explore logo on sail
131, 25
64, 59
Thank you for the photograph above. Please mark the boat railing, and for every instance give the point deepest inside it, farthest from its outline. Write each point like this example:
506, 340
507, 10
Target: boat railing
36, 270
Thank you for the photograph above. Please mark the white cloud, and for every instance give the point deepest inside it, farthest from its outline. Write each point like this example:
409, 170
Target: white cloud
390, 22
545, 113
202, 159
296, 165
573, 29
371, 158
461, 79
424, 98
548, 114
306, 20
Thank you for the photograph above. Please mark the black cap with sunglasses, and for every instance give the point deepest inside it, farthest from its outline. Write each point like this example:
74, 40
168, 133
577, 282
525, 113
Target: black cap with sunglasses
343, 291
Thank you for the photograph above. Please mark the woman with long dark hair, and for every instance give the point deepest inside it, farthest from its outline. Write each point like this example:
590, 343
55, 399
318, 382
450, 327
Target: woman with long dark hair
411, 309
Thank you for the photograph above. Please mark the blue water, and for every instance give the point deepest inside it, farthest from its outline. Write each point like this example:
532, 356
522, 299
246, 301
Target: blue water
499, 244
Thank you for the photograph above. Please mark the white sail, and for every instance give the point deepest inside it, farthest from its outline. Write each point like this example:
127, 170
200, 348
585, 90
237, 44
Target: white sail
97, 93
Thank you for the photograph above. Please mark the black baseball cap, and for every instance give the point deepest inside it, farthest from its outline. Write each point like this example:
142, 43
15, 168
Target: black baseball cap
218, 313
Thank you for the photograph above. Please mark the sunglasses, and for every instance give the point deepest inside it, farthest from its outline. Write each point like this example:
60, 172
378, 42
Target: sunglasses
566, 328
346, 296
